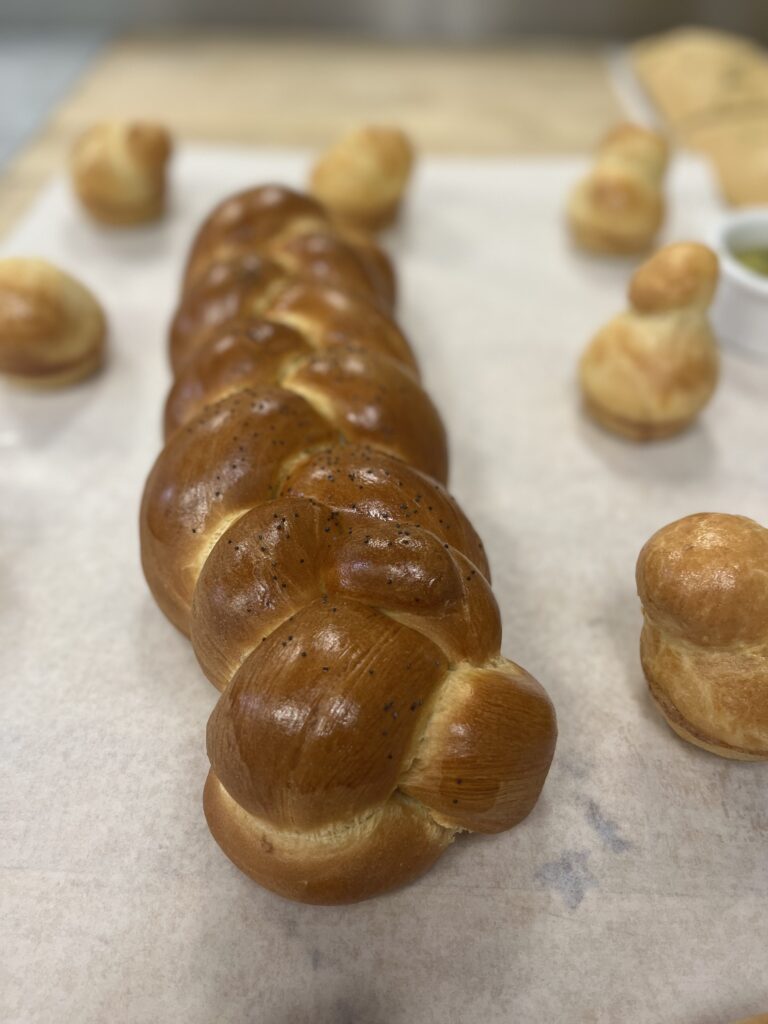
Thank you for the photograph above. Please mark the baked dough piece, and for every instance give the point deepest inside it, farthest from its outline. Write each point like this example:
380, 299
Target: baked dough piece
295, 527
119, 171
712, 90
648, 372
703, 583
619, 206
692, 73
737, 145
52, 329
362, 179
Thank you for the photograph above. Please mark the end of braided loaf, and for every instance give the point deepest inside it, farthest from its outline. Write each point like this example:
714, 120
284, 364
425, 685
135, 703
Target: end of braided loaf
479, 766
365, 705
296, 527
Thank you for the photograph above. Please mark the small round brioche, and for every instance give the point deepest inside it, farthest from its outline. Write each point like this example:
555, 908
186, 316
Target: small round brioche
52, 329
362, 179
119, 171
649, 371
619, 206
703, 584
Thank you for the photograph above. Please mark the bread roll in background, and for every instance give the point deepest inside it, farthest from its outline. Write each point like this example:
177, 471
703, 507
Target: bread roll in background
649, 371
693, 73
703, 584
362, 178
52, 328
711, 88
119, 171
619, 206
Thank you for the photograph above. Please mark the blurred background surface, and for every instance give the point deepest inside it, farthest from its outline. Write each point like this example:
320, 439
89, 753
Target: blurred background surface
464, 20
36, 67
482, 76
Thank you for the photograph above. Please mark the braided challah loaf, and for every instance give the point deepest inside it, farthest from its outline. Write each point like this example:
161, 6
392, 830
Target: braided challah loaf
295, 526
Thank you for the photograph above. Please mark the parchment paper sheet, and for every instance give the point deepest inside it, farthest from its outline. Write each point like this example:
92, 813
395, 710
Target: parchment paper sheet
638, 889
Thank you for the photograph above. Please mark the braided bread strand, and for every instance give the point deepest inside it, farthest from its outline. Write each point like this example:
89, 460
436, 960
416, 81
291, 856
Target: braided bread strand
295, 526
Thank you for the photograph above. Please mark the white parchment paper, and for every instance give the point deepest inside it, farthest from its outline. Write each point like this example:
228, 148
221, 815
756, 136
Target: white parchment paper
636, 891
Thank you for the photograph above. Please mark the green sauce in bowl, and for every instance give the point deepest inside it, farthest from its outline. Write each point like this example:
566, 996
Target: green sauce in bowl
755, 259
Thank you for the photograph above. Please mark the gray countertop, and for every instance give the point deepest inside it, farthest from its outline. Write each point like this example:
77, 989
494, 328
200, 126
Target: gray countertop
36, 69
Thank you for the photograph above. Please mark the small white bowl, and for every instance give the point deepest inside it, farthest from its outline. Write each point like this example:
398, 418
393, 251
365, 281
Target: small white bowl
740, 310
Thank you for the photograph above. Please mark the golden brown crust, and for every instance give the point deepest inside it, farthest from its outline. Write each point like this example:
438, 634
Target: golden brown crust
251, 219
276, 735
365, 394
376, 259
363, 177
619, 206
688, 732
695, 72
486, 751
328, 316
328, 550
386, 849
52, 329
297, 234
703, 584
322, 859
211, 472
232, 294
333, 591
648, 372
738, 147
603, 239
680, 275
704, 578
377, 485
119, 171
712, 88
224, 294
236, 453
633, 430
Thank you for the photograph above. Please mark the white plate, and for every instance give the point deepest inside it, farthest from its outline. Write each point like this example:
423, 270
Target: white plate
637, 890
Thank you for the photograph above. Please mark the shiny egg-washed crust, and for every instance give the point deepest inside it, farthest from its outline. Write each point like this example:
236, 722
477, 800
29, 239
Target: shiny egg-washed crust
52, 328
252, 287
297, 234
619, 206
703, 584
363, 177
648, 372
336, 595
119, 171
